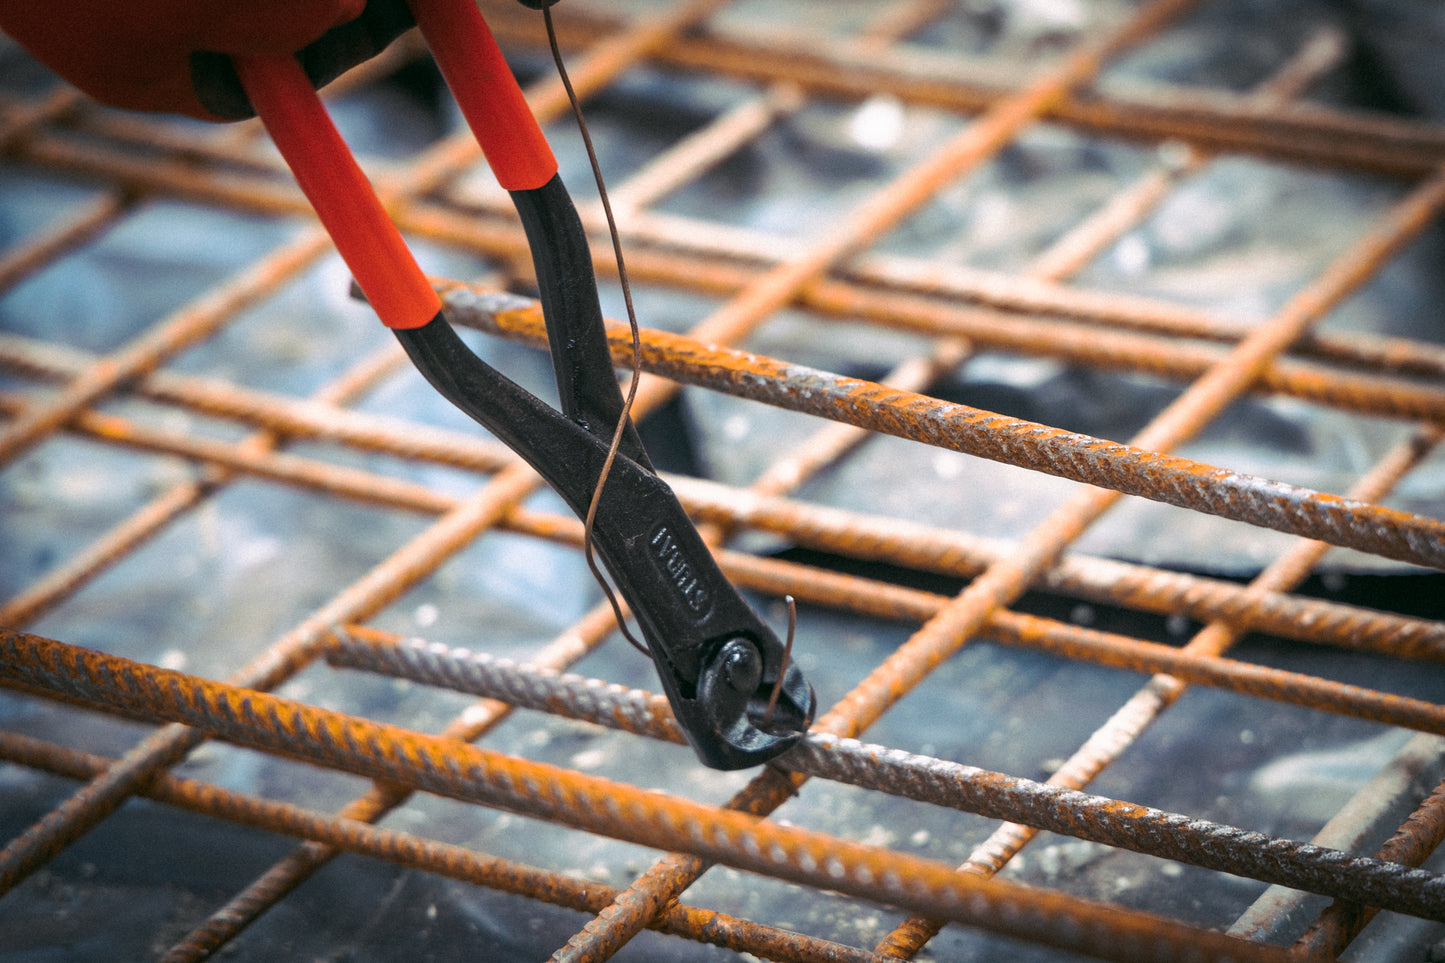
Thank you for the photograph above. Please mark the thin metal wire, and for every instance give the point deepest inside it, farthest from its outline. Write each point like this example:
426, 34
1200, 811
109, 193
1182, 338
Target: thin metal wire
623, 419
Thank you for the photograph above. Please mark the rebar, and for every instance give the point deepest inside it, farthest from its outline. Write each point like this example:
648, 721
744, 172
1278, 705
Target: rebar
917, 777
458, 770
847, 281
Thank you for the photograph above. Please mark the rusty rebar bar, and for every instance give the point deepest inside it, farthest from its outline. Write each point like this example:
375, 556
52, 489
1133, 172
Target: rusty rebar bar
1106, 743
1312, 134
339, 833
1391, 358
459, 770
1134, 469
913, 776
99, 798
835, 530
1411, 845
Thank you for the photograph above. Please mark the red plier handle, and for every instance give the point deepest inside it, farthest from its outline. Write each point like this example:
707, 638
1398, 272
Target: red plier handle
369, 242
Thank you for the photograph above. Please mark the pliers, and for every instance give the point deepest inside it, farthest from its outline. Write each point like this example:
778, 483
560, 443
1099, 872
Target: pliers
719, 663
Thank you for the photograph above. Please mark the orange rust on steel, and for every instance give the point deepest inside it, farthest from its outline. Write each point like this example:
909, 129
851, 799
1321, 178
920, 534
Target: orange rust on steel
697, 262
385, 582
151, 518
1161, 691
1082, 644
318, 419
869, 290
459, 770
911, 544
336, 480
1307, 133
440, 162
1414, 842
888, 206
921, 778
1162, 355
1385, 355
781, 286
1069, 254
270, 887
21, 119
20, 262
190, 324
1004, 581
1128, 469
846, 533
834, 530
341, 834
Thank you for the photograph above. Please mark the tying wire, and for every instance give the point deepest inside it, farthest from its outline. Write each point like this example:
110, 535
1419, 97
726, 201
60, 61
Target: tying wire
787, 657
636, 365
635, 372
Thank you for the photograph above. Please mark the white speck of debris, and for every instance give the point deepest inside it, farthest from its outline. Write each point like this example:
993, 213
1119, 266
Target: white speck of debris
1172, 870
426, 615
474, 714
1082, 615
920, 837
1246, 736
948, 465
878, 835
877, 124
431, 911
589, 758
173, 659
1176, 625
1131, 256
736, 427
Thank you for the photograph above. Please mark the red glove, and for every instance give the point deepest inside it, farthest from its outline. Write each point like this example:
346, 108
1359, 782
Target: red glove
137, 53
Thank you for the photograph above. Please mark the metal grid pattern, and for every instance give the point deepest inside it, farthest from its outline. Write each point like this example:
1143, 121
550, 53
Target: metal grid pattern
304, 691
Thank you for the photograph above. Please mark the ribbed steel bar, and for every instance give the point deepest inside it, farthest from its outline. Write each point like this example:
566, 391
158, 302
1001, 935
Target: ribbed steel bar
342, 834
194, 322
1388, 797
458, 770
1415, 841
781, 286
1391, 358
719, 259
413, 561
1200, 664
309, 419
1161, 355
921, 778
891, 204
1162, 690
834, 530
1052, 301
1318, 55
1068, 254
223, 925
1312, 134
1135, 469
547, 99
19, 121
1069, 641
878, 538
1004, 581
20, 262
164, 508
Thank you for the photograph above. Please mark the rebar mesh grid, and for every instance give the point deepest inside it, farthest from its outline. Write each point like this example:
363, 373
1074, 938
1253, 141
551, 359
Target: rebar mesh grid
1061, 741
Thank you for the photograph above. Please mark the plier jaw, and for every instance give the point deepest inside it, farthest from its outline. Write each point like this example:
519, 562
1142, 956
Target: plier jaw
729, 680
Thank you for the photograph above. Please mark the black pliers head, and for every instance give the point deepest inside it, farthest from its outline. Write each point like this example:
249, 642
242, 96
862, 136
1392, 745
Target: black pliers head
719, 663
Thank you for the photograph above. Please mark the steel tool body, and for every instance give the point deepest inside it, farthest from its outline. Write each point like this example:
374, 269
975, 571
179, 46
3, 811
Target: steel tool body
719, 663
